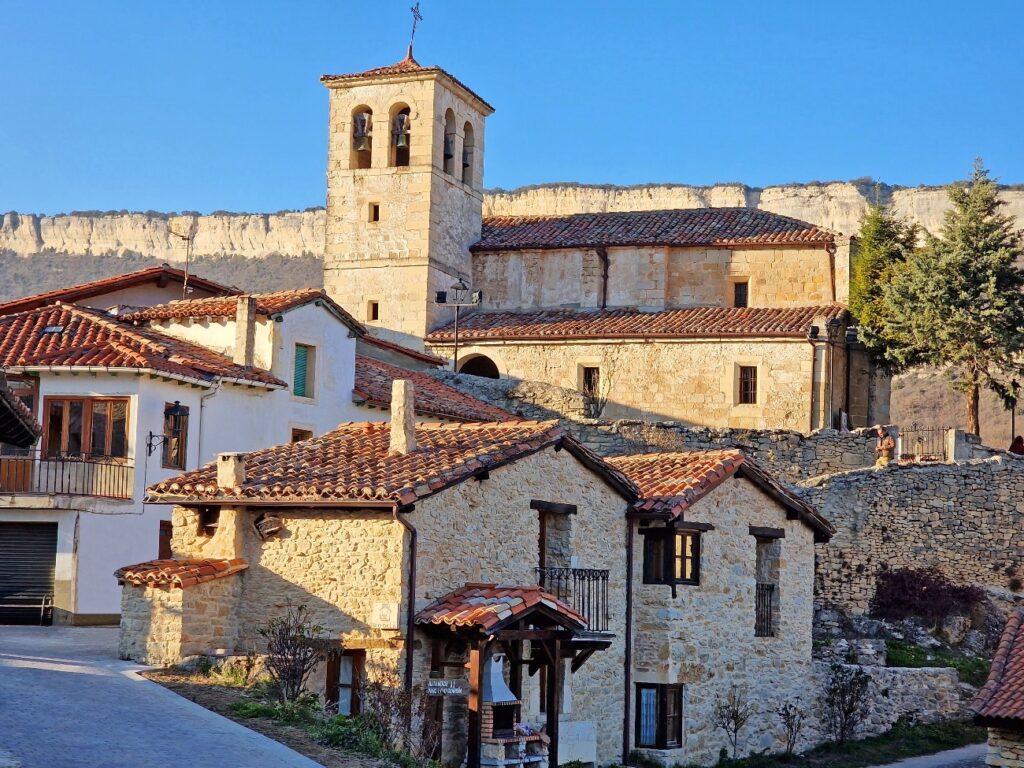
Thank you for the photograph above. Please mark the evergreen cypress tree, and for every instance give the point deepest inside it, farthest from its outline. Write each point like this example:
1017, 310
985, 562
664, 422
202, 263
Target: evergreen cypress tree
958, 302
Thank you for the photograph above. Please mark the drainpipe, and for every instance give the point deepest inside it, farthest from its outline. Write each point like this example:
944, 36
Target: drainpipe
628, 672
602, 254
410, 611
202, 407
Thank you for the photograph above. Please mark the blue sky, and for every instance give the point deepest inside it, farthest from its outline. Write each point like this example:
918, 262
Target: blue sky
217, 105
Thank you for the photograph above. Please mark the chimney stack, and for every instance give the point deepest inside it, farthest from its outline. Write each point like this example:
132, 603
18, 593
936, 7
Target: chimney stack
230, 470
245, 330
403, 417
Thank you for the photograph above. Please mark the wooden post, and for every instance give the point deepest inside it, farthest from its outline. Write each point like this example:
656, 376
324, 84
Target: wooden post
476, 689
554, 695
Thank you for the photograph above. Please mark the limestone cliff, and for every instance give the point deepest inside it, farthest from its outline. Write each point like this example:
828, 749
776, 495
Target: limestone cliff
837, 206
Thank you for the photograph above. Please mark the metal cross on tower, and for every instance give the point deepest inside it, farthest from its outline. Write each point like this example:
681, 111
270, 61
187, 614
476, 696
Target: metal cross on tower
416, 17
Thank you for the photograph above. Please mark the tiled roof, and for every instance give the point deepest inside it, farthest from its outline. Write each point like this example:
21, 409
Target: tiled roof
352, 465
697, 322
432, 397
110, 284
671, 482
490, 607
60, 335
274, 303
415, 354
178, 573
1001, 699
407, 66
17, 425
694, 227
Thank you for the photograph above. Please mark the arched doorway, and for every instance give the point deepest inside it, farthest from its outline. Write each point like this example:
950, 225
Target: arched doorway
480, 365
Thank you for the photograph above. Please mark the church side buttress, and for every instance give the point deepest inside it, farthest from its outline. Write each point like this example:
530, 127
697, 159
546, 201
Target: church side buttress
404, 194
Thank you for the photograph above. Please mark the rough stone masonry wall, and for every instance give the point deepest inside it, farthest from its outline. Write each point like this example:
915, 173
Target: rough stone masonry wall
965, 519
1005, 748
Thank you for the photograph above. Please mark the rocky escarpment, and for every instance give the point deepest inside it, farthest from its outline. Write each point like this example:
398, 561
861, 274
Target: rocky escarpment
837, 206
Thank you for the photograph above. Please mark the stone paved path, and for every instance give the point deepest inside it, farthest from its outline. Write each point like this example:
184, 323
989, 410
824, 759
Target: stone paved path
66, 701
965, 757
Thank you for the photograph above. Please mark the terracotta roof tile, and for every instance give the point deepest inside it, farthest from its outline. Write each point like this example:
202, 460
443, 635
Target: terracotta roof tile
60, 335
18, 426
425, 357
697, 322
1001, 699
266, 304
407, 66
489, 607
672, 482
352, 464
178, 573
695, 227
109, 284
432, 397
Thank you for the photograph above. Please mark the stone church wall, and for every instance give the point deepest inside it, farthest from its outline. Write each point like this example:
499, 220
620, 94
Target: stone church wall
964, 519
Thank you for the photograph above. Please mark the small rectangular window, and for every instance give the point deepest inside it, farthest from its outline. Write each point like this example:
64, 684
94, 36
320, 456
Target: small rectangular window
175, 448
671, 559
373, 311
740, 294
591, 381
305, 368
209, 519
298, 435
344, 676
164, 546
374, 212
659, 715
748, 385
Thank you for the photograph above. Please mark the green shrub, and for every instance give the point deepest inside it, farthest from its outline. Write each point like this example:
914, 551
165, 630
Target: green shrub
971, 669
252, 709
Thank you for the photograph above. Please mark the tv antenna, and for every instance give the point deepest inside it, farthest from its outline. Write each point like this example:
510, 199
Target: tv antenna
416, 17
188, 238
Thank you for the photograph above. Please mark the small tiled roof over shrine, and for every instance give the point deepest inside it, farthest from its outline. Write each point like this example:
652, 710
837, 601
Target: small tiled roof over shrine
1000, 702
489, 607
682, 228
696, 323
432, 397
67, 336
352, 465
671, 482
178, 573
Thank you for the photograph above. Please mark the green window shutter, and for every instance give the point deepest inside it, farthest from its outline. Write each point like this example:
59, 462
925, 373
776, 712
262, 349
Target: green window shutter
301, 369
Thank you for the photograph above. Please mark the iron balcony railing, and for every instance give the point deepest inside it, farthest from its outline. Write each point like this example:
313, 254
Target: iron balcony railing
764, 622
31, 472
584, 589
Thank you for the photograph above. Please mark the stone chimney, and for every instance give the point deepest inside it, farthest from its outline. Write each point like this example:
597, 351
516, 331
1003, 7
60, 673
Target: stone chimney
245, 330
230, 470
403, 417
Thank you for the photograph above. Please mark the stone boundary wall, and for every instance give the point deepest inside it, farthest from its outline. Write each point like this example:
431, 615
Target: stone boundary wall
964, 518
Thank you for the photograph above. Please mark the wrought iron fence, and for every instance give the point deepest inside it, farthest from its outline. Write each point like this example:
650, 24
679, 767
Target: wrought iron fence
918, 443
31, 472
584, 589
764, 623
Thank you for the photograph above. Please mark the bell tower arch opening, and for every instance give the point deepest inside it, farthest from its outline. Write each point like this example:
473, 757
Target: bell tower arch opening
394, 143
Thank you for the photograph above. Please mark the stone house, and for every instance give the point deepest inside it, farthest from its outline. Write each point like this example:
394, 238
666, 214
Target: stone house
449, 551
999, 705
723, 317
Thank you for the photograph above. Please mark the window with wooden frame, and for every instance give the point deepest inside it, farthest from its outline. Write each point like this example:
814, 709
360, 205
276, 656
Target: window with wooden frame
591, 381
344, 675
748, 385
303, 381
299, 434
659, 716
671, 556
79, 427
164, 546
741, 294
175, 448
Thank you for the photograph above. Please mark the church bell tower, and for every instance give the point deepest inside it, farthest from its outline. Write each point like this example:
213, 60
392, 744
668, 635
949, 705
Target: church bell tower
404, 194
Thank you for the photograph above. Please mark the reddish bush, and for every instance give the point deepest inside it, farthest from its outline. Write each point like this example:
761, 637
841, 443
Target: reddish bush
923, 593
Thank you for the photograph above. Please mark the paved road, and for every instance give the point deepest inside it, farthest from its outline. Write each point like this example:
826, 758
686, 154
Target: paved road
965, 757
66, 701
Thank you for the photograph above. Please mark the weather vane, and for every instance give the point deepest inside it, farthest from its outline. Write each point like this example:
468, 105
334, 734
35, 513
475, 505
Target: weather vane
416, 16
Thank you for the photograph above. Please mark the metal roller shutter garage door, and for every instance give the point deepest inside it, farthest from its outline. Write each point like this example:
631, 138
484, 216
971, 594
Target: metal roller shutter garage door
28, 555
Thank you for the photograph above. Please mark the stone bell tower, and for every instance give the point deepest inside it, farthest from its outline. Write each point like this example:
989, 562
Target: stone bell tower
404, 193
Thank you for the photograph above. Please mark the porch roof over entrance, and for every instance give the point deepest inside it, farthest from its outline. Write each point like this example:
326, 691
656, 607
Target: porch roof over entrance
492, 607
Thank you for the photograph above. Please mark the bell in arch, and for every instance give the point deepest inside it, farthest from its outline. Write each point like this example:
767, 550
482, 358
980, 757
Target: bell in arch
449, 146
401, 131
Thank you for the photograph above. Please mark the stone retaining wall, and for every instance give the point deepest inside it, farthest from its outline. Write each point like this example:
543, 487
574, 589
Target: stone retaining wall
1005, 748
965, 519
